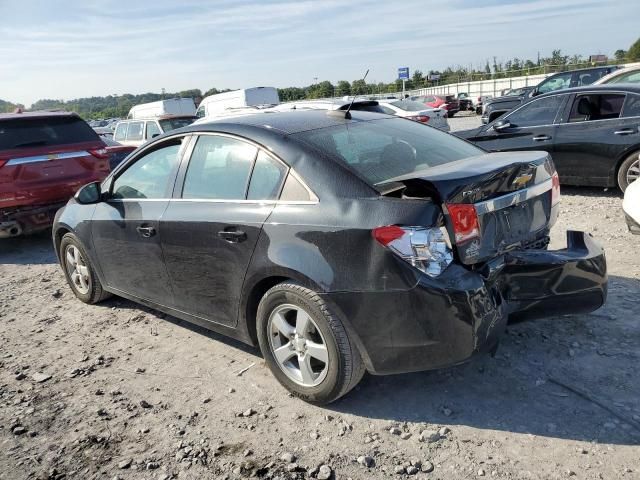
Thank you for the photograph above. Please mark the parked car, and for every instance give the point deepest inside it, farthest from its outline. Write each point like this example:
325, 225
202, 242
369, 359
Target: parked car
593, 133
435, 117
337, 243
559, 81
631, 207
44, 158
623, 75
482, 100
136, 132
117, 152
465, 102
447, 102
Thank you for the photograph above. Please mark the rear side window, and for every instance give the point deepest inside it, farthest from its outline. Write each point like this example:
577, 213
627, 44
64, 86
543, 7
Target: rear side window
557, 82
266, 178
134, 130
219, 169
408, 105
596, 107
629, 77
380, 150
45, 131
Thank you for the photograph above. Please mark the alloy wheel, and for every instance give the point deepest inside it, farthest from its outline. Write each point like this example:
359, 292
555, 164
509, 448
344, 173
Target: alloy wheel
633, 173
297, 345
77, 269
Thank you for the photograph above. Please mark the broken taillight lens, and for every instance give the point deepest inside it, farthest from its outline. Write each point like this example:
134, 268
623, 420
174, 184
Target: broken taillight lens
427, 249
464, 219
420, 118
555, 189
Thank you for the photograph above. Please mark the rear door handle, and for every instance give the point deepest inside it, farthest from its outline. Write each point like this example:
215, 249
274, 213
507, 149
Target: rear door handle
624, 131
541, 138
233, 236
146, 232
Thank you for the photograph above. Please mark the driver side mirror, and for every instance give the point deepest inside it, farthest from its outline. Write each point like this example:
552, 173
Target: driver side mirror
501, 125
89, 194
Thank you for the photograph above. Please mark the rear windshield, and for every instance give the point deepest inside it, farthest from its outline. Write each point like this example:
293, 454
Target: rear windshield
408, 105
380, 150
173, 123
45, 131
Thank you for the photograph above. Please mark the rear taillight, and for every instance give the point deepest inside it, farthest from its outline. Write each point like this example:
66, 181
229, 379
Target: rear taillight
101, 153
445, 106
420, 118
464, 219
555, 189
427, 249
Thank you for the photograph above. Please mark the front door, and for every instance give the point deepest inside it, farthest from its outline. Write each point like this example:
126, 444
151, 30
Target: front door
531, 127
126, 227
210, 230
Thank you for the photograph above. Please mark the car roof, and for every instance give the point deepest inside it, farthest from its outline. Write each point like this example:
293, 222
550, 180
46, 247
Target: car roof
608, 87
289, 122
36, 114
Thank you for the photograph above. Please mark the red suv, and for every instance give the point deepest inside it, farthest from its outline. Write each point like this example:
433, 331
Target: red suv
44, 158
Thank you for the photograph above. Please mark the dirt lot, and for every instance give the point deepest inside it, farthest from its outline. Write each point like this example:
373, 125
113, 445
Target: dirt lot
119, 391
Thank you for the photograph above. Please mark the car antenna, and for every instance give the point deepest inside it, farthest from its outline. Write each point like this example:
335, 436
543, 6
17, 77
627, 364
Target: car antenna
347, 115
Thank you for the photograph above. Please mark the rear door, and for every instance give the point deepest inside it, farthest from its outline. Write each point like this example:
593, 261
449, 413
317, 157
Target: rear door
591, 137
531, 127
126, 228
227, 190
44, 160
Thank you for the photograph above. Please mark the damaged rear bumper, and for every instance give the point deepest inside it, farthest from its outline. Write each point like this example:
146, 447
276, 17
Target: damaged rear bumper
446, 320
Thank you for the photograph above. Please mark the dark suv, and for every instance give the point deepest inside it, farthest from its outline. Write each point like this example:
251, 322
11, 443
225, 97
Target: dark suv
559, 81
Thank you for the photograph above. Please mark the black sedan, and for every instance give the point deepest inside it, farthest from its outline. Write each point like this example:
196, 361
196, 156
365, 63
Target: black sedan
338, 242
592, 133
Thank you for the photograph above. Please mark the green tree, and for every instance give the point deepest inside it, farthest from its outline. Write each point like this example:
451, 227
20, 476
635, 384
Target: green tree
633, 53
417, 79
343, 88
359, 87
620, 55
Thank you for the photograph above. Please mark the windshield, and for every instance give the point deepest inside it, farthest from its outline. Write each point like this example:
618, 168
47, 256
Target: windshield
409, 105
380, 150
173, 123
44, 131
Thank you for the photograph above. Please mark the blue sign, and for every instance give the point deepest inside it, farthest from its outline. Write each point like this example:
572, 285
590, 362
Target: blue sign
403, 73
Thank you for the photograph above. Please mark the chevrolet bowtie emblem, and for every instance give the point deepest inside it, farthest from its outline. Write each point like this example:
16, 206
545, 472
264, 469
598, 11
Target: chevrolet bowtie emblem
522, 179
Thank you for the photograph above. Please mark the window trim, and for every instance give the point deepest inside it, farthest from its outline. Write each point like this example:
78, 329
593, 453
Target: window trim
556, 120
186, 159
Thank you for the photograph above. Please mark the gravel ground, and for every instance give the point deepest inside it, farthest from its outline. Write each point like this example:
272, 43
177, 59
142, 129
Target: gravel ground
120, 391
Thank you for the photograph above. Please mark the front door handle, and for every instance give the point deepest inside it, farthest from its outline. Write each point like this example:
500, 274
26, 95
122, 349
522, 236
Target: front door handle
233, 236
146, 232
624, 131
541, 138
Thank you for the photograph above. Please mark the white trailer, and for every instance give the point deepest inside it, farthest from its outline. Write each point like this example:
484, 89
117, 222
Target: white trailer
183, 107
216, 105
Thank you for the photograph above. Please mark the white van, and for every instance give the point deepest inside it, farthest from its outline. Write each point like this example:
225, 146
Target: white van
216, 105
183, 107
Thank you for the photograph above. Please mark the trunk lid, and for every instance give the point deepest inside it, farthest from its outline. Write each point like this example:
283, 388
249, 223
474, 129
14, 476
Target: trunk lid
507, 196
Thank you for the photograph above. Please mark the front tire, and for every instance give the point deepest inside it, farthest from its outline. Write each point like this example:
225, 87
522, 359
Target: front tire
79, 272
305, 345
629, 171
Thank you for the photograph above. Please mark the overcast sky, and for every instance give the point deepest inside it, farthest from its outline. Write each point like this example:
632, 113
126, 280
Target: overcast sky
67, 49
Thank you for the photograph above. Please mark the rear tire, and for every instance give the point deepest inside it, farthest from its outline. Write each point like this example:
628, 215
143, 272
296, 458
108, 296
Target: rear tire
629, 171
332, 362
79, 272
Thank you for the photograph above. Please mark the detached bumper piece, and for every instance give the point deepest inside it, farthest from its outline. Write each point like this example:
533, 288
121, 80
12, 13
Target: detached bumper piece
447, 320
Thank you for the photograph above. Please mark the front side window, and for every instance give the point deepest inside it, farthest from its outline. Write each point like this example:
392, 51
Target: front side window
558, 82
536, 113
151, 176
596, 107
152, 130
380, 150
120, 135
134, 130
219, 169
632, 106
